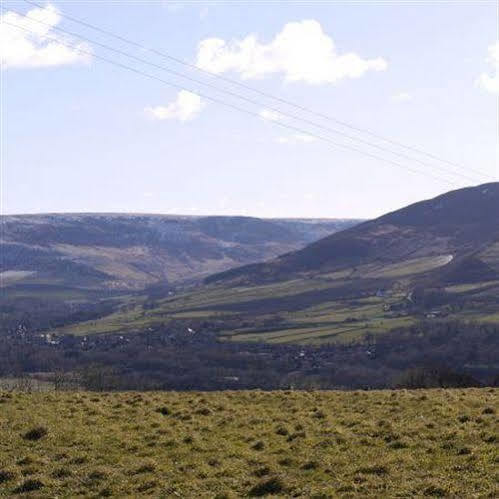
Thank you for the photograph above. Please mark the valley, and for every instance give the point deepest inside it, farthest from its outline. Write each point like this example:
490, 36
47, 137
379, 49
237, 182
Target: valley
127, 252
61, 268
249, 249
418, 264
417, 289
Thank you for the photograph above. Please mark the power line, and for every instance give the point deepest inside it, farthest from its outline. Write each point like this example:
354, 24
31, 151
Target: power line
252, 101
271, 96
243, 110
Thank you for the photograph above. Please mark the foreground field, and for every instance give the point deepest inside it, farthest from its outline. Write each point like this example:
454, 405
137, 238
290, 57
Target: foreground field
236, 444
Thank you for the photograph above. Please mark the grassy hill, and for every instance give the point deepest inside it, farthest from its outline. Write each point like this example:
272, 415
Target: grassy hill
435, 260
422, 443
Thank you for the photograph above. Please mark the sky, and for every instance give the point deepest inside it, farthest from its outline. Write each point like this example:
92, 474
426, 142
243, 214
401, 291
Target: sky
83, 134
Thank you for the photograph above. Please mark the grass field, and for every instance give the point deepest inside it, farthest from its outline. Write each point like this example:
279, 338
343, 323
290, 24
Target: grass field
240, 444
324, 320
311, 309
316, 324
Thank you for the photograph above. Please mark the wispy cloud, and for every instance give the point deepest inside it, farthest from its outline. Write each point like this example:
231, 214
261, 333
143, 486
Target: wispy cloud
488, 82
269, 115
297, 138
402, 97
185, 107
173, 6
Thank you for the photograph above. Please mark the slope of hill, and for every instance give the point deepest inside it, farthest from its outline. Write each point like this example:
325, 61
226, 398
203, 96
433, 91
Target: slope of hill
120, 252
435, 260
461, 225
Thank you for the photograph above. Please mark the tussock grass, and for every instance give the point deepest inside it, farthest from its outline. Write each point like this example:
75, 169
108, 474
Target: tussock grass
35, 433
440, 443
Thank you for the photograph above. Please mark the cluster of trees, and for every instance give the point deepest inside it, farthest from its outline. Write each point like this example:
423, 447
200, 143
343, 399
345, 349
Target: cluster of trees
190, 357
38, 313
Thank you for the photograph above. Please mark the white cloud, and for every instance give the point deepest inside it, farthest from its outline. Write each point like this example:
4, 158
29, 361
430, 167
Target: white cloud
269, 115
296, 138
300, 52
184, 108
38, 47
486, 81
402, 97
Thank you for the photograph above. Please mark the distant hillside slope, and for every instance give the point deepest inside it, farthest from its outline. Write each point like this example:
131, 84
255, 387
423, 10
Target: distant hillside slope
461, 227
436, 260
120, 251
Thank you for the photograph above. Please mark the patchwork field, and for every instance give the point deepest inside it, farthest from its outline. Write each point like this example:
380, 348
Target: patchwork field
308, 320
330, 308
238, 444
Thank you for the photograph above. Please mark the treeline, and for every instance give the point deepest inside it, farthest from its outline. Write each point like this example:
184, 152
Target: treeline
190, 357
39, 314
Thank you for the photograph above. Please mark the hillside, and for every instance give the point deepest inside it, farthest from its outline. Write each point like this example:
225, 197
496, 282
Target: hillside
410, 443
461, 225
434, 260
131, 252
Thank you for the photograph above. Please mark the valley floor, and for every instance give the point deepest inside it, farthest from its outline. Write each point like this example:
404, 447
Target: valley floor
236, 444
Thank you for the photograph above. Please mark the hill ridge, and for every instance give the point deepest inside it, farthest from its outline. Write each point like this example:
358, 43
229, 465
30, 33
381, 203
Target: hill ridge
133, 251
458, 223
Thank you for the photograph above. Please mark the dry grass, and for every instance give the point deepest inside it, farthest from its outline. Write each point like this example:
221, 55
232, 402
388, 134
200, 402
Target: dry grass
239, 444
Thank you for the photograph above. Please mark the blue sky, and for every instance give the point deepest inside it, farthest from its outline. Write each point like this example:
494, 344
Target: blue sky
82, 135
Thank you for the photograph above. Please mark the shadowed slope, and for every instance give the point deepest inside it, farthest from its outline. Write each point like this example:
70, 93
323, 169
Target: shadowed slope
459, 223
